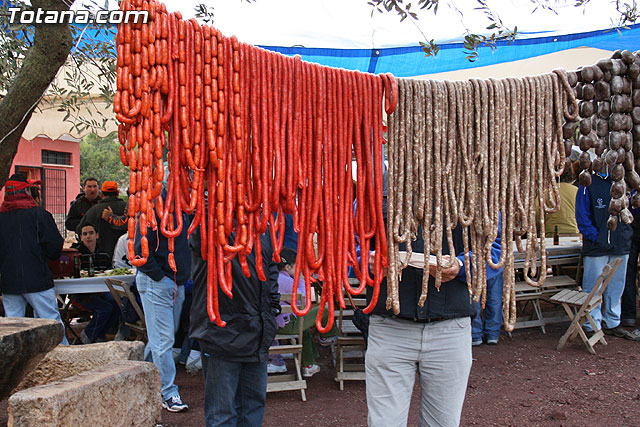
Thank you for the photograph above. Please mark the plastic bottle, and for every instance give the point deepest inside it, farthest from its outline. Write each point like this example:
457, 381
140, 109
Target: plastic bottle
76, 267
91, 270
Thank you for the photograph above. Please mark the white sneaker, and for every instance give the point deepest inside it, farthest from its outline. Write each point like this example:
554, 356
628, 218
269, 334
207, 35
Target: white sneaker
311, 370
276, 369
194, 362
175, 404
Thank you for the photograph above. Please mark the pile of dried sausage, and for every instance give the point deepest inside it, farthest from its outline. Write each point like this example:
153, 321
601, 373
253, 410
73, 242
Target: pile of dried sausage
263, 135
608, 118
476, 153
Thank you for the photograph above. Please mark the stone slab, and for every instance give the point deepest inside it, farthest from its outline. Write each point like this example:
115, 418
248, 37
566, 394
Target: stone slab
123, 393
23, 343
66, 361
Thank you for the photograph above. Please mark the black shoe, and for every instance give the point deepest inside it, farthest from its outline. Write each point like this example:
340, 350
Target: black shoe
634, 335
617, 332
630, 323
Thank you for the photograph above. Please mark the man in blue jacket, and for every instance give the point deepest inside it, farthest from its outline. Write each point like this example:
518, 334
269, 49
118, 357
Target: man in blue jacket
599, 247
29, 238
162, 293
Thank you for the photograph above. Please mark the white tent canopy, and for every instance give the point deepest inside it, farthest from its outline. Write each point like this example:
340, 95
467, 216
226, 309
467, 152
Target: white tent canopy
351, 24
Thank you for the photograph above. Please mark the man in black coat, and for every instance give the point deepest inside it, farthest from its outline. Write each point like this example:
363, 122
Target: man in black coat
234, 357
82, 203
108, 235
29, 238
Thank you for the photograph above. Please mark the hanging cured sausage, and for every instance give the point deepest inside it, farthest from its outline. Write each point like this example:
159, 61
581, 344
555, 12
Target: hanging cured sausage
263, 135
477, 154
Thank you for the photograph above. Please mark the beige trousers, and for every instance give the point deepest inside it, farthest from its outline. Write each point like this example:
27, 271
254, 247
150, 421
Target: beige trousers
438, 353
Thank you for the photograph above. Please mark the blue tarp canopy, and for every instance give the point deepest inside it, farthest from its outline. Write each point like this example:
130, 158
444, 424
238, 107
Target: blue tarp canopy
411, 61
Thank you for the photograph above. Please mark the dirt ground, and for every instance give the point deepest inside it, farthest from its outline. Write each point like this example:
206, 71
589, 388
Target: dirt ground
523, 381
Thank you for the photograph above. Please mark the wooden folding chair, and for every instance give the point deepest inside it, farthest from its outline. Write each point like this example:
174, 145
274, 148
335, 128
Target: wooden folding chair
584, 303
350, 339
289, 344
121, 292
68, 312
527, 294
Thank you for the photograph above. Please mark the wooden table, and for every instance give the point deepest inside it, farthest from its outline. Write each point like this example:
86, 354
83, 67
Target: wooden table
82, 285
567, 252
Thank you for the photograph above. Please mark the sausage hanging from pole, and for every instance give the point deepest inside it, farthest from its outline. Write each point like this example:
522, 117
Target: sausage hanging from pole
264, 133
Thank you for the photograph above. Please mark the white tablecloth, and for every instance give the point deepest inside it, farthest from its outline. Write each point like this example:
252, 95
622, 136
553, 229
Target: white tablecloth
87, 285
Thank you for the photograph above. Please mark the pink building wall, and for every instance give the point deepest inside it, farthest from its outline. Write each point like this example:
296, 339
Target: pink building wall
29, 160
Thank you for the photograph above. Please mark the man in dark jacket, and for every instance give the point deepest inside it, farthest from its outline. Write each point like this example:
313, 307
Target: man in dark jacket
29, 238
629, 312
599, 247
82, 203
108, 235
162, 293
234, 358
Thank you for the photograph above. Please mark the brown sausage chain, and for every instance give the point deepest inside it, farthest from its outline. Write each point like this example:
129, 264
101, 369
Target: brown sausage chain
476, 153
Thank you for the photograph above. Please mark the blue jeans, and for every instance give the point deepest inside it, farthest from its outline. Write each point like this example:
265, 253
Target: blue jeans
629, 294
162, 304
105, 313
234, 392
44, 303
492, 321
593, 266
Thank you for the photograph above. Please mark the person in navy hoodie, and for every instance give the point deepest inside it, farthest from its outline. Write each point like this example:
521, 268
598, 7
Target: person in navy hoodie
599, 247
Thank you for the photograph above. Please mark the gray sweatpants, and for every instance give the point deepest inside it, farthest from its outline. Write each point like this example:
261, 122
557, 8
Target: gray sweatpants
439, 352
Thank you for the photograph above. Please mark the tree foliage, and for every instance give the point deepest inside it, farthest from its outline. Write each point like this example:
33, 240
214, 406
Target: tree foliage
36, 66
100, 158
628, 11
90, 68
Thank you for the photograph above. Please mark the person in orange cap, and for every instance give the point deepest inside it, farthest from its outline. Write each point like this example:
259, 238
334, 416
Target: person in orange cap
108, 234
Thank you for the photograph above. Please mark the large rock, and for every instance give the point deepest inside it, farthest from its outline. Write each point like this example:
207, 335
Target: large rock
66, 361
124, 393
23, 343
